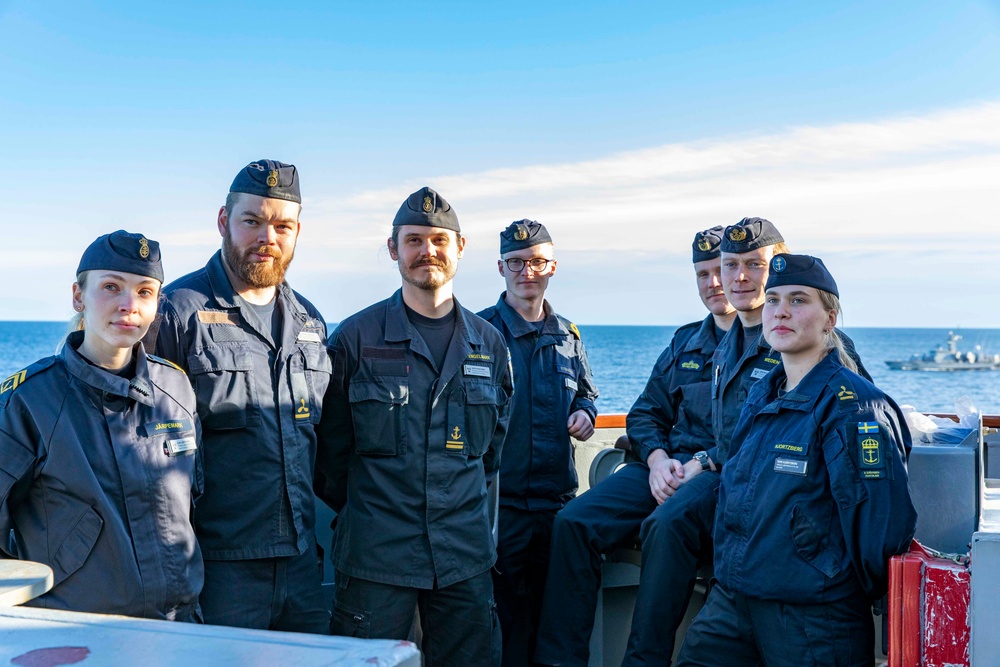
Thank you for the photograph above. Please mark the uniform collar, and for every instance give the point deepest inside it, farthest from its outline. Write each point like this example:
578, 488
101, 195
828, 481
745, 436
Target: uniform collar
398, 328
704, 338
805, 396
518, 326
138, 388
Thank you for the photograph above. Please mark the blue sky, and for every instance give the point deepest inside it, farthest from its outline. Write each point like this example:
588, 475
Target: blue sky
868, 132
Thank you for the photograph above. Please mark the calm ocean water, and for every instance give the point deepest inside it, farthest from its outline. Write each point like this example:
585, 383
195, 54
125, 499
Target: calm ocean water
622, 357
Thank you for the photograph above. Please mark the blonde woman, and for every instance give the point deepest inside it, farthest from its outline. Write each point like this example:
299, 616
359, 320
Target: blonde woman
98, 451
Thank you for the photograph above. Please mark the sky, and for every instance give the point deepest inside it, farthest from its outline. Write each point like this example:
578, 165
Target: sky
869, 133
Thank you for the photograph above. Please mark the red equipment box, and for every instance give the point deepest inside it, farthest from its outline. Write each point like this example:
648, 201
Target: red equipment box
928, 610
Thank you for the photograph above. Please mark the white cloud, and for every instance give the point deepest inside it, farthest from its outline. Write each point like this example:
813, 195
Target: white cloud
870, 197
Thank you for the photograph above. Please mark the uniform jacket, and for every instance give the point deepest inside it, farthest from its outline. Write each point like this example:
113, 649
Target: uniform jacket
406, 449
733, 376
259, 402
89, 490
674, 411
814, 498
539, 468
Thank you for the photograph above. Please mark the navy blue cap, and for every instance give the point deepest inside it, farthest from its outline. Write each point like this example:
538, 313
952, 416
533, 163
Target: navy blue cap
706, 244
122, 251
523, 234
427, 208
749, 234
269, 178
800, 270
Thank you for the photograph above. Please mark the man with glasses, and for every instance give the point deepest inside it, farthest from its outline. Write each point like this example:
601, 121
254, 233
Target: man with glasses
553, 400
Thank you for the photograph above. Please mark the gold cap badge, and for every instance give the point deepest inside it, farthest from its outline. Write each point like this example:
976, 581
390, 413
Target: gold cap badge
428, 204
521, 233
704, 245
143, 248
272, 178
736, 234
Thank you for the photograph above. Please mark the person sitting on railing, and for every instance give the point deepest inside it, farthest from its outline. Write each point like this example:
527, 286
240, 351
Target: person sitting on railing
668, 423
813, 500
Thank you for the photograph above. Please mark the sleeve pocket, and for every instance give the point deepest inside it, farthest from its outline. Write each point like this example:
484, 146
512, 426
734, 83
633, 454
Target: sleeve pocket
77, 545
482, 403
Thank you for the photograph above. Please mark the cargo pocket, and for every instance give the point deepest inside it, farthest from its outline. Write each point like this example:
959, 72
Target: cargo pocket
223, 383
482, 403
378, 408
813, 543
348, 621
76, 546
846, 484
310, 374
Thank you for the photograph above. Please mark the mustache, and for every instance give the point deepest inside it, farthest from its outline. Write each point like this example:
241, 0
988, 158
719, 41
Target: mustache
264, 250
427, 262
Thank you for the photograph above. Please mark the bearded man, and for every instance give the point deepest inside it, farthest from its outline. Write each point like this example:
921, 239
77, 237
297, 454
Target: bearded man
255, 352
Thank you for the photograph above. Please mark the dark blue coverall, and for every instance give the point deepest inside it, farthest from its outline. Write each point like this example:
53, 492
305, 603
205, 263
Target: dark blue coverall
89, 489
259, 401
538, 476
405, 453
813, 504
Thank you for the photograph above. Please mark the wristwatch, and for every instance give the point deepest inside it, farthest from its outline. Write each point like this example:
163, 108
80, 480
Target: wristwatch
702, 458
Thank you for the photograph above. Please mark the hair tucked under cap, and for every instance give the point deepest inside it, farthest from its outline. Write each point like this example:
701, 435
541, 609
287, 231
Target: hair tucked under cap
803, 270
269, 178
122, 251
749, 234
706, 244
523, 234
426, 208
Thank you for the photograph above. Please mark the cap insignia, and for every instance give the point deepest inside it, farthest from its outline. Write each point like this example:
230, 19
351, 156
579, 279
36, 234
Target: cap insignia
778, 264
143, 248
428, 204
704, 245
272, 178
737, 234
521, 234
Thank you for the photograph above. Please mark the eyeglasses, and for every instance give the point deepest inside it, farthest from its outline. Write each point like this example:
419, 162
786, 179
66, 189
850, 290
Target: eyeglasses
536, 264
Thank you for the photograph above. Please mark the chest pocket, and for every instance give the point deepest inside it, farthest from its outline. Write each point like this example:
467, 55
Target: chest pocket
223, 383
479, 414
378, 408
311, 373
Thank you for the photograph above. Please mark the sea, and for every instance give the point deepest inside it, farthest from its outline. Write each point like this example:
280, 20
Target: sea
623, 356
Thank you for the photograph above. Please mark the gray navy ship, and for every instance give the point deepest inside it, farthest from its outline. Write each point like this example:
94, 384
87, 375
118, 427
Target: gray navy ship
948, 358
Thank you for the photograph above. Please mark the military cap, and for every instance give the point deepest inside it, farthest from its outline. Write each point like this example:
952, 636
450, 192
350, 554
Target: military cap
800, 270
427, 208
122, 251
749, 234
269, 178
706, 244
523, 234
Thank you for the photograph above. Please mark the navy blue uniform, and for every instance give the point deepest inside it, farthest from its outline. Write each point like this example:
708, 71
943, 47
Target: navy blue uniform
406, 450
259, 400
673, 414
813, 503
89, 489
538, 475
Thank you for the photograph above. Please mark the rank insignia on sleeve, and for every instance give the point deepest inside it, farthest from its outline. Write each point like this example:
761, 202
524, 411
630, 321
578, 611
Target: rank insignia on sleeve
13, 381
871, 458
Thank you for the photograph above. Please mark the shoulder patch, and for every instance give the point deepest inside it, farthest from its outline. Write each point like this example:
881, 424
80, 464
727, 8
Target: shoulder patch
164, 362
17, 379
574, 330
